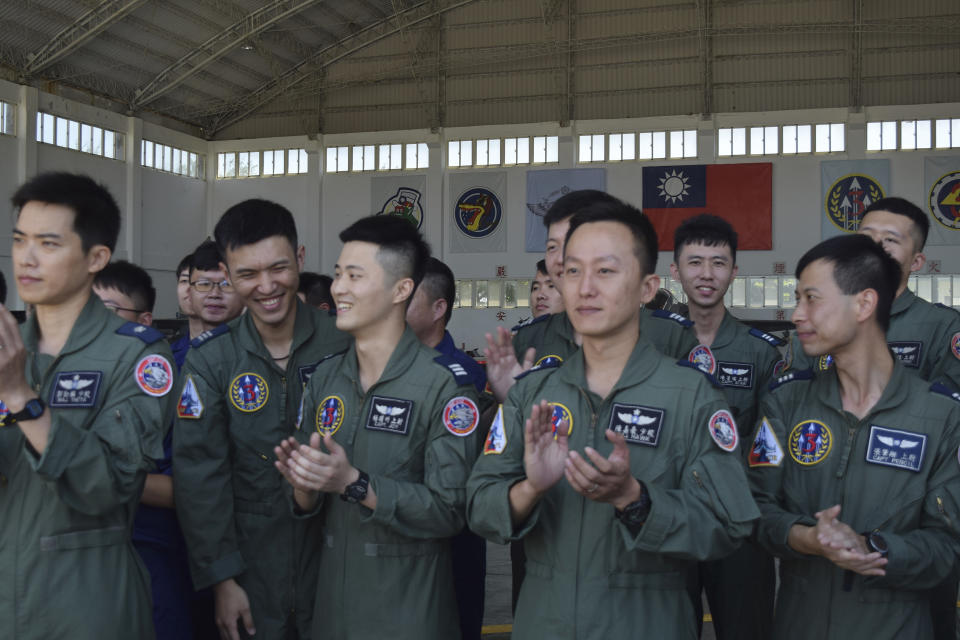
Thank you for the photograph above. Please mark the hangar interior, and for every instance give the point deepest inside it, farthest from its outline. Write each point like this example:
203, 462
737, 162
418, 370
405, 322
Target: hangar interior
183, 108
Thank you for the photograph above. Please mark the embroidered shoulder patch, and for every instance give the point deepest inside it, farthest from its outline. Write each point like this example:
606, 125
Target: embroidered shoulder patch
896, 448
249, 392
551, 359
136, 330
529, 321
330, 414
544, 366
676, 317
955, 345
4, 412
809, 442
723, 430
766, 337
561, 414
766, 450
190, 407
75, 389
802, 374
702, 357
460, 375
461, 416
154, 375
497, 437
207, 336
636, 423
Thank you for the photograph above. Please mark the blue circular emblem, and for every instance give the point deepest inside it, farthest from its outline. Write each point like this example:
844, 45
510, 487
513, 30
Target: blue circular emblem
944, 200
560, 413
848, 197
550, 361
478, 212
248, 392
810, 442
329, 415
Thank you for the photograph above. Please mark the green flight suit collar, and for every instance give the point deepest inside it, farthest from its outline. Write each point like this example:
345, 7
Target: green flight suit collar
88, 325
902, 302
642, 363
565, 328
303, 329
726, 332
894, 394
398, 364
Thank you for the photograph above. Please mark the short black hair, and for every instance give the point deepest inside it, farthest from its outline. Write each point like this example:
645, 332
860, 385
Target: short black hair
644, 235
3, 289
568, 204
186, 264
859, 263
130, 280
96, 216
704, 229
903, 207
319, 293
307, 280
403, 252
206, 257
542, 267
438, 283
251, 221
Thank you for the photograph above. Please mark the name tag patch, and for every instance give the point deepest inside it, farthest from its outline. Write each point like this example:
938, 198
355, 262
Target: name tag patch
908, 353
637, 424
390, 414
895, 448
738, 375
75, 389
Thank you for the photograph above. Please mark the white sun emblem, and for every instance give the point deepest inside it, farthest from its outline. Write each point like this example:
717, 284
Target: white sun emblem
674, 185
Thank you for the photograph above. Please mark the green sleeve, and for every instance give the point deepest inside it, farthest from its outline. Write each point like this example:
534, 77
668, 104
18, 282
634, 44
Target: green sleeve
98, 467
435, 507
202, 479
711, 511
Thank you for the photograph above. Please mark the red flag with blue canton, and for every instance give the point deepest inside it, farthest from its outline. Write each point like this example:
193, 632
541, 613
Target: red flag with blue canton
741, 194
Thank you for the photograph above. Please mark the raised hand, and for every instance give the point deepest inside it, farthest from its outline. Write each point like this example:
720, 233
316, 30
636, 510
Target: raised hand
502, 363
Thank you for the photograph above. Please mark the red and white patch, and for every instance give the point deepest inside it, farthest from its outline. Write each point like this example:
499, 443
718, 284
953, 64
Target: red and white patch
955, 345
723, 430
702, 358
461, 416
154, 375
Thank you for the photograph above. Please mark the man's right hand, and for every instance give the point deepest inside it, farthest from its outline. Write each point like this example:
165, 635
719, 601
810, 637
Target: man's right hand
231, 603
544, 459
502, 364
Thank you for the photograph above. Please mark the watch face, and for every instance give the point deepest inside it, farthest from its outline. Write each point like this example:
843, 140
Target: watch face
877, 543
34, 407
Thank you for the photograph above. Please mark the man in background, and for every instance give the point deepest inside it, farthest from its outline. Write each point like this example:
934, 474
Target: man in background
544, 296
212, 296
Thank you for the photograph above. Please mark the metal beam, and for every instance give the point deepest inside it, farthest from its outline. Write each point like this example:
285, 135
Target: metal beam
82, 30
705, 41
217, 46
362, 39
856, 61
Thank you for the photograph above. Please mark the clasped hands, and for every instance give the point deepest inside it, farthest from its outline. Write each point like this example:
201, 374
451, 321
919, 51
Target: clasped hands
311, 471
837, 542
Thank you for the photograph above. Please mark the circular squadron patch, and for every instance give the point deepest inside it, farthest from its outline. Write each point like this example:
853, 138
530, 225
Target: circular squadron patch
561, 413
154, 375
461, 416
330, 415
549, 361
955, 345
810, 442
249, 392
702, 358
723, 430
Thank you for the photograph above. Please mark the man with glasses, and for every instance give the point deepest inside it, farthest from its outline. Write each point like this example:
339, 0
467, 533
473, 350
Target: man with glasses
212, 297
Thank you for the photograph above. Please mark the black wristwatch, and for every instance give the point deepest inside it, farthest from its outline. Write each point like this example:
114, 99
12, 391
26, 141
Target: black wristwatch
635, 513
31, 411
876, 543
356, 491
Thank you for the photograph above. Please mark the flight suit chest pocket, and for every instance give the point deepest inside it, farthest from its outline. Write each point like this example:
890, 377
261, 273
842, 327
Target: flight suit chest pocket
392, 438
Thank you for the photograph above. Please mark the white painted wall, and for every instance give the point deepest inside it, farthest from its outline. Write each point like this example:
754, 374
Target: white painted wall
165, 216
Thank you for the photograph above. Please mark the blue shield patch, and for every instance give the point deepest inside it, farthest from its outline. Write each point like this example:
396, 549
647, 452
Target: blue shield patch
895, 448
75, 389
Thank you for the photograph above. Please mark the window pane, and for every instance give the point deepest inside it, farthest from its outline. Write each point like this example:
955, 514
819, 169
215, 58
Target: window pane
73, 140
453, 154
788, 294
369, 157
466, 153
509, 294
837, 142
823, 138
739, 292
383, 161
167, 158
39, 127
61, 132
50, 127
923, 134
539, 149
789, 138
724, 142
676, 144
803, 139
925, 288
598, 151
955, 133
396, 157
956, 291
908, 134
771, 291
510, 151
230, 165
220, 165
243, 166
86, 136
481, 297
357, 159
253, 163
411, 156
943, 134
770, 140
147, 153
423, 156
304, 163
493, 151
109, 142
586, 155
690, 143
613, 145
342, 159
941, 290
756, 141
755, 293
874, 136
659, 144
739, 141
553, 149
466, 293
523, 150
627, 145
523, 293
889, 136
293, 161
176, 161
481, 153
331, 162
494, 290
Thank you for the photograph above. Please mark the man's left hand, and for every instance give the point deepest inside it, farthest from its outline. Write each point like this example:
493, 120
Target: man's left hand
14, 390
309, 468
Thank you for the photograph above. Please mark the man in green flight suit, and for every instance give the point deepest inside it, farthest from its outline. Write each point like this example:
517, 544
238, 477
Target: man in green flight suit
552, 337
855, 468
241, 386
626, 471
740, 588
383, 450
85, 403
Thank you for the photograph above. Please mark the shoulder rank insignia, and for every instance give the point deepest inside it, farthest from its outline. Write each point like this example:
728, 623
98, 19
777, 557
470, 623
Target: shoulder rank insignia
942, 389
136, 330
548, 363
529, 321
460, 375
803, 374
943, 306
708, 376
206, 336
763, 335
676, 317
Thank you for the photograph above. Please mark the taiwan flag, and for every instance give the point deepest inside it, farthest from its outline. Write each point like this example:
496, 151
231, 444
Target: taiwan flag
741, 194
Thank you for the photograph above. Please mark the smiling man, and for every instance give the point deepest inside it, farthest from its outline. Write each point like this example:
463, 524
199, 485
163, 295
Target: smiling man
241, 388
87, 398
386, 440
624, 473
855, 468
